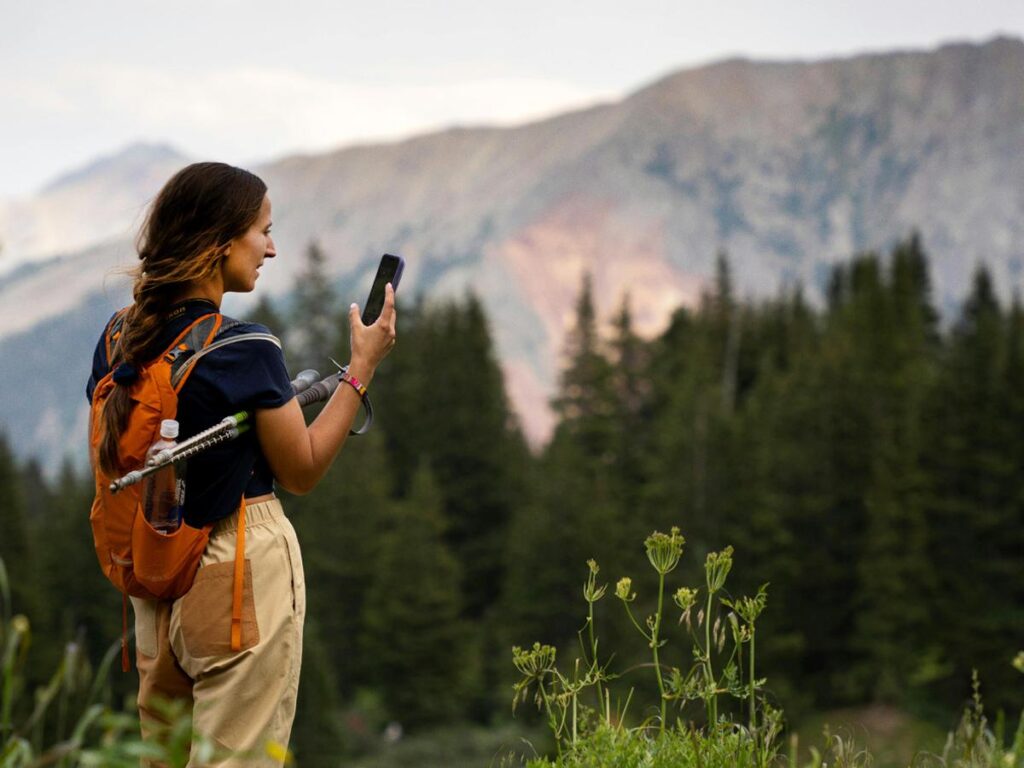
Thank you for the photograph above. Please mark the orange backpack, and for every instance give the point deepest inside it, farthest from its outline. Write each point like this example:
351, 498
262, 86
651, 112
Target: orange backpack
137, 559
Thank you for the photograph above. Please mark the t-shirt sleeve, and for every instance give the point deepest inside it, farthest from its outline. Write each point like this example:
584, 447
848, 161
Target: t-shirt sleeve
251, 373
100, 364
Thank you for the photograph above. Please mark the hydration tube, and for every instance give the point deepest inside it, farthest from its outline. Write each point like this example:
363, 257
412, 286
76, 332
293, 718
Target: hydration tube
308, 388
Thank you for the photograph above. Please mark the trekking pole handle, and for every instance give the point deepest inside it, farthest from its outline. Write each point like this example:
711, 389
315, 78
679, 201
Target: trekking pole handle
318, 392
305, 380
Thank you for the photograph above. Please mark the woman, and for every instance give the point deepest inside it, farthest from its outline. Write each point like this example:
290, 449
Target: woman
207, 234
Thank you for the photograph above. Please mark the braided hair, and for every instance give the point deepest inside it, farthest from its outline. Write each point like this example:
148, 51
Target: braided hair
183, 241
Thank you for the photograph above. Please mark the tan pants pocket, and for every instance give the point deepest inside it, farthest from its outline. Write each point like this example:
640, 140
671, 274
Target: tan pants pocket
206, 611
145, 626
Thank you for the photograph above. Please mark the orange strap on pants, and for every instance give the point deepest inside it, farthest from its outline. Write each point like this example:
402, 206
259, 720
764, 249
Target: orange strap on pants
236, 600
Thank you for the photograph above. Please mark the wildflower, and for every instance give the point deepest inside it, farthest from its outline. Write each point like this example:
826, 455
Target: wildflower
622, 590
535, 662
1018, 662
664, 550
749, 608
591, 592
717, 567
685, 598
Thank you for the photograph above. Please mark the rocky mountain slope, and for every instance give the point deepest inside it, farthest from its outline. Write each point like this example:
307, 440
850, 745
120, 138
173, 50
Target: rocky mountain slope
789, 166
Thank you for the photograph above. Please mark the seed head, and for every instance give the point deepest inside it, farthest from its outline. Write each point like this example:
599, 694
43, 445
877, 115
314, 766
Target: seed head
591, 592
535, 662
749, 608
664, 550
685, 598
623, 590
717, 567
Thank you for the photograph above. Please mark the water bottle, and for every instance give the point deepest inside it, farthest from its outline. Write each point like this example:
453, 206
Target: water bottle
163, 492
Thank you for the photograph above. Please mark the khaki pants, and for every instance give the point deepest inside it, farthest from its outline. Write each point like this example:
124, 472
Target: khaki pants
240, 699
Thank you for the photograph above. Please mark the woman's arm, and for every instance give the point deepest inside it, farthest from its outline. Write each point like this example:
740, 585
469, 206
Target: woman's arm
299, 455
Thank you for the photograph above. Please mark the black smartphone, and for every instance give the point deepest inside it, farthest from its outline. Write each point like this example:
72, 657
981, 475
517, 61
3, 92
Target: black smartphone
389, 271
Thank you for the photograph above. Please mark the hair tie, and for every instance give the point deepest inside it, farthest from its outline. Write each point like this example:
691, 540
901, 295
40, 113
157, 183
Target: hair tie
125, 374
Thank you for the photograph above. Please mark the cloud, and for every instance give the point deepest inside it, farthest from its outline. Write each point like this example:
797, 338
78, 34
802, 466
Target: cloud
261, 112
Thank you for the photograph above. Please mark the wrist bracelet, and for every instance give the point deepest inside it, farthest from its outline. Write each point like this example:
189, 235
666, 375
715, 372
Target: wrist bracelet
358, 386
355, 383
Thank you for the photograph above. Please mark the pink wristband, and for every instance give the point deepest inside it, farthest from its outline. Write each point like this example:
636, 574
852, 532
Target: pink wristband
355, 383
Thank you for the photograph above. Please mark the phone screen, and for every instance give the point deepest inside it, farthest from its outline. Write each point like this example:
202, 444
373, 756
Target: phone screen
389, 271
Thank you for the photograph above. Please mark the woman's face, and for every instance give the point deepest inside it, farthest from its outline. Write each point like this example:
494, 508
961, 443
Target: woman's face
246, 253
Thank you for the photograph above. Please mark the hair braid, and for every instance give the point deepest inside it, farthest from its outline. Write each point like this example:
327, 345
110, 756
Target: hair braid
183, 241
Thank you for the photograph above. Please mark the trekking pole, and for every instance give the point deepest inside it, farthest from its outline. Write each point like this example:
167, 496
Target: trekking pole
308, 391
226, 429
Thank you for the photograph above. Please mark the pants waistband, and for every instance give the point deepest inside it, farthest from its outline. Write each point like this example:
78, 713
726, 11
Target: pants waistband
255, 514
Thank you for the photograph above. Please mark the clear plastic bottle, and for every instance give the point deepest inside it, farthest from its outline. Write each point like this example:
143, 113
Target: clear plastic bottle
163, 492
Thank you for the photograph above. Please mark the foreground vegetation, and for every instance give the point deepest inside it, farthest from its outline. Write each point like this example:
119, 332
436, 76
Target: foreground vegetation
722, 631
73, 723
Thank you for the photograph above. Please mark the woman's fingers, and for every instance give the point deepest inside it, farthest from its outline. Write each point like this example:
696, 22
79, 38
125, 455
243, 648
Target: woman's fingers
374, 341
389, 316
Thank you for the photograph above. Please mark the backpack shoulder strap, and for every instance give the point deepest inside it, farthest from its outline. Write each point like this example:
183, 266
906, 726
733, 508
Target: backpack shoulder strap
185, 360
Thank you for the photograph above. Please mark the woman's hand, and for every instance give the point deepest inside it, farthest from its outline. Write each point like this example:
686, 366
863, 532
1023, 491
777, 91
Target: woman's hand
299, 455
371, 343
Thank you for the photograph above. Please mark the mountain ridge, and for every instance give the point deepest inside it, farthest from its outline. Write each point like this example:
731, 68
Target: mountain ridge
788, 166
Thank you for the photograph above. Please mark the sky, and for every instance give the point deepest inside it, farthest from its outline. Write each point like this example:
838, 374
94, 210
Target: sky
247, 82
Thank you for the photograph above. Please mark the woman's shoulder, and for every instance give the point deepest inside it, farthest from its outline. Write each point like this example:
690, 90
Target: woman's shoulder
262, 340
250, 372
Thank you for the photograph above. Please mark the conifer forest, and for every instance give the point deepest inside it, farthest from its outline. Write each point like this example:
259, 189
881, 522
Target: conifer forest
862, 453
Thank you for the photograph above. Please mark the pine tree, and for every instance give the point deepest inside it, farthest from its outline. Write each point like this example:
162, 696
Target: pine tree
896, 346
974, 496
316, 736
413, 638
631, 397
313, 336
82, 604
584, 404
576, 511
15, 545
473, 448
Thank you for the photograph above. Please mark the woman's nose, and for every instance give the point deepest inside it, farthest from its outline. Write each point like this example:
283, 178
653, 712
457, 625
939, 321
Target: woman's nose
271, 249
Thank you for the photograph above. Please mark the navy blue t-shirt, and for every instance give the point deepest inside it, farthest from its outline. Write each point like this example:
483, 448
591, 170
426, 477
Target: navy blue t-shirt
238, 377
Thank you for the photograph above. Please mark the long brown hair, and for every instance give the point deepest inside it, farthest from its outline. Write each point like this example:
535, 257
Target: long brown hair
183, 240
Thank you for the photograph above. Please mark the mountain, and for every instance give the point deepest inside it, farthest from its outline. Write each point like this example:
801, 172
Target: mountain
788, 166
103, 200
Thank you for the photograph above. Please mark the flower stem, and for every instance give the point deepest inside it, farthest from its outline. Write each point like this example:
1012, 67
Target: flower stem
552, 723
753, 711
654, 647
712, 696
593, 653
639, 629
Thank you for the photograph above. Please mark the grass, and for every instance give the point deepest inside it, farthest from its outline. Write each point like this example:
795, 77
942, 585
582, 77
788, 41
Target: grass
459, 746
892, 737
